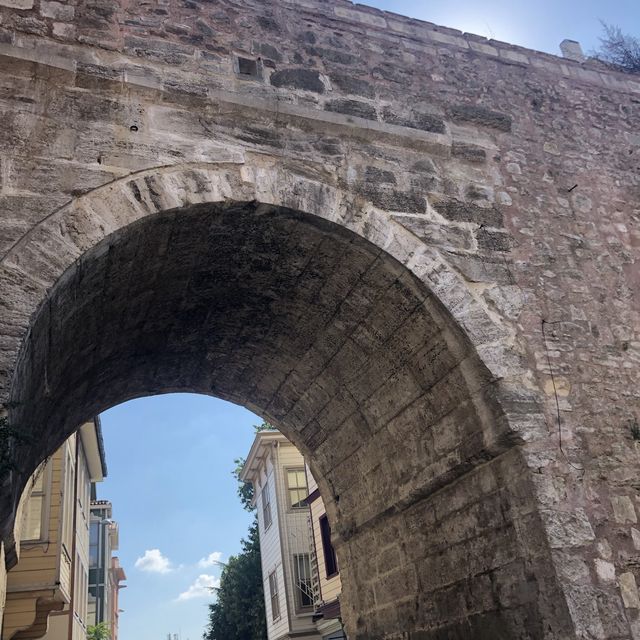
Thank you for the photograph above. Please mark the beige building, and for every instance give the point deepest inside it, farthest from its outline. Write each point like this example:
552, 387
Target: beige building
116, 577
47, 590
325, 563
299, 568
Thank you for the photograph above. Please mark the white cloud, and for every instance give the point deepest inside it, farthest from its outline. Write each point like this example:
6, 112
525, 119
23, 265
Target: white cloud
201, 588
154, 562
211, 560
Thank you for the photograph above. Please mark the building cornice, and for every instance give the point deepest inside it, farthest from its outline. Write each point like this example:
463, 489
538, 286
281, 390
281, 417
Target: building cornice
91, 437
258, 452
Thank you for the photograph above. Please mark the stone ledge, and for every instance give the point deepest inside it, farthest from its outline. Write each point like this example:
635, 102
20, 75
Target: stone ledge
437, 143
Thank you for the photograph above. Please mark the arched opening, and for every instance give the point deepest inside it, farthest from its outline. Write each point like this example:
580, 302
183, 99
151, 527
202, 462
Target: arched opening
338, 344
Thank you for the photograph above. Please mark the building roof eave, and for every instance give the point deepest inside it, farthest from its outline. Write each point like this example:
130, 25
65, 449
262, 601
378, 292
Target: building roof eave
91, 437
257, 452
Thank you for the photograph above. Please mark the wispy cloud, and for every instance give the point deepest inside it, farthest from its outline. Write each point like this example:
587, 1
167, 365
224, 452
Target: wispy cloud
201, 588
211, 560
154, 562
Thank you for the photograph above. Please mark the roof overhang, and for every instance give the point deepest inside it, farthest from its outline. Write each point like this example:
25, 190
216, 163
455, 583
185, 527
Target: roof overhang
260, 449
91, 438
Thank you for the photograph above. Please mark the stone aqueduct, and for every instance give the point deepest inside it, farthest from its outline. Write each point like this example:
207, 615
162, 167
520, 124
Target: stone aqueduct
412, 249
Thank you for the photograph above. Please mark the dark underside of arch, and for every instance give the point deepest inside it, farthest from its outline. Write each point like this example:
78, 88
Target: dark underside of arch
334, 341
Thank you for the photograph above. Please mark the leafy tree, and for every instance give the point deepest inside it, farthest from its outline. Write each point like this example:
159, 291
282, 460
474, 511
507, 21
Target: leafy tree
264, 426
239, 612
245, 489
99, 631
619, 49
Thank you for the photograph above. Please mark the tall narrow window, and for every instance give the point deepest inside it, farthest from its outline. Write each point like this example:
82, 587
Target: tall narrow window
94, 542
81, 591
302, 575
68, 501
266, 506
297, 488
84, 487
34, 509
273, 594
330, 560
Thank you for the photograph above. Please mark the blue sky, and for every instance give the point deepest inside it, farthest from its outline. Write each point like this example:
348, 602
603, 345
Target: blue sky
170, 457
169, 478
540, 25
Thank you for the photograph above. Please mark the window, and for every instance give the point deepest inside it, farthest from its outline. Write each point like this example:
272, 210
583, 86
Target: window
94, 544
330, 560
303, 584
81, 591
247, 67
34, 509
297, 488
84, 489
68, 502
273, 593
266, 506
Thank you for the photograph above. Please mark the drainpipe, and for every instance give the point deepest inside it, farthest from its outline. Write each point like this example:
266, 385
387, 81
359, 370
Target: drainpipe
74, 533
280, 502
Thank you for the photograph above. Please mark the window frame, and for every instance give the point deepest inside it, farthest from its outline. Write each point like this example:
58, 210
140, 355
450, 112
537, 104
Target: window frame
44, 472
67, 526
83, 485
94, 525
300, 606
290, 505
266, 506
328, 550
274, 593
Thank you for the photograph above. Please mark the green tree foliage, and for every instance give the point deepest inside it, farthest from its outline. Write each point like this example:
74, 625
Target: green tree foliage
245, 489
619, 49
264, 426
239, 613
99, 631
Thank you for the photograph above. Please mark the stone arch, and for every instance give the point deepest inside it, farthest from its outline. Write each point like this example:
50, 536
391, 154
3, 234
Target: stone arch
40, 257
423, 379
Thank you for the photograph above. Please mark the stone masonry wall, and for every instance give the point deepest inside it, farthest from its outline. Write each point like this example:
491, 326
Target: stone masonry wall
505, 179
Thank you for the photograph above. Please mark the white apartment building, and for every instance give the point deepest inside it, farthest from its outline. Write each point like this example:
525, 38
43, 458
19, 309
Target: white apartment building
277, 471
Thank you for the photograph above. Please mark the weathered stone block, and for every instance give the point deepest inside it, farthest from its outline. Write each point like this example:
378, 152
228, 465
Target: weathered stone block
629, 590
352, 108
379, 176
471, 114
17, 4
450, 238
468, 152
416, 120
305, 79
162, 50
56, 10
459, 211
568, 529
623, 509
394, 200
352, 85
492, 240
